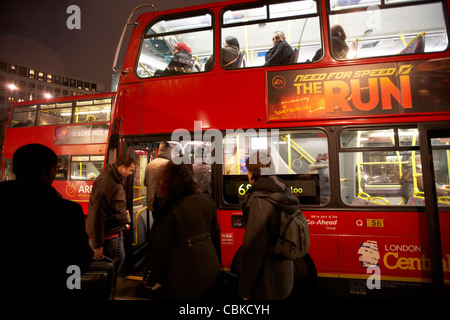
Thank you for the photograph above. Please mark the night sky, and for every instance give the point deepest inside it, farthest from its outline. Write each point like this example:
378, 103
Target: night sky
34, 33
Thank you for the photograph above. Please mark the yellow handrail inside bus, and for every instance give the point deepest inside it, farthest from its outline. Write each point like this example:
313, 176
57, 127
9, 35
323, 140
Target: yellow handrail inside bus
198, 59
361, 193
146, 70
444, 199
303, 153
136, 228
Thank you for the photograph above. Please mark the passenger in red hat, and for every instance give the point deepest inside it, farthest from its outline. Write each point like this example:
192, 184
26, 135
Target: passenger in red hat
182, 61
180, 46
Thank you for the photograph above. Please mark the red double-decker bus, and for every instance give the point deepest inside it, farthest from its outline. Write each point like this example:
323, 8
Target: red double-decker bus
76, 128
356, 119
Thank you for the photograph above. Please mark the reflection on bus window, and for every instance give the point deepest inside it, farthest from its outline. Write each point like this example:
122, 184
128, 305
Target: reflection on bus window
441, 164
374, 176
23, 116
86, 167
62, 168
300, 158
7, 173
98, 110
160, 48
254, 28
374, 29
51, 114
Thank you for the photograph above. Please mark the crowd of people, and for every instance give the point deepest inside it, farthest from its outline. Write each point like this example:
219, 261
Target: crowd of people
184, 258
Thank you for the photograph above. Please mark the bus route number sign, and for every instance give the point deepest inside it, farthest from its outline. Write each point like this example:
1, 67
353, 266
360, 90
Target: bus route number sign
375, 223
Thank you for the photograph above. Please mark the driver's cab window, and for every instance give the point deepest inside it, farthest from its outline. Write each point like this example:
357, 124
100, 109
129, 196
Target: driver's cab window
176, 46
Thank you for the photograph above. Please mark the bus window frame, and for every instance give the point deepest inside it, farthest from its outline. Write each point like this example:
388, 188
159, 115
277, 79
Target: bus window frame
330, 13
37, 116
70, 176
253, 5
217, 171
176, 16
397, 147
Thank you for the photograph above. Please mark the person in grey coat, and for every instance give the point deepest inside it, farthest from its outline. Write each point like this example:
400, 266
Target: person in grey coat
262, 275
184, 256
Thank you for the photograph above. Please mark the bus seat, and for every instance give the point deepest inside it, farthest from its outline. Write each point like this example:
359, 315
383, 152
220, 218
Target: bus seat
416, 201
294, 56
416, 45
382, 190
357, 201
196, 65
240, 62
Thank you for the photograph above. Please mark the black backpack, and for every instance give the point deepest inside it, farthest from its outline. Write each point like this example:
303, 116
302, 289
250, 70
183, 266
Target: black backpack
293, 237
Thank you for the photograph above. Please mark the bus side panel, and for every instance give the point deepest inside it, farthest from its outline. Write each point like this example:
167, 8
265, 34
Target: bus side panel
444, 221
78, 191
21, 136
395, 242
168, 99
232, 234
129, 104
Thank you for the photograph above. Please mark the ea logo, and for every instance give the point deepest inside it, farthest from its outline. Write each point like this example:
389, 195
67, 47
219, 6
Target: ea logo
278, 82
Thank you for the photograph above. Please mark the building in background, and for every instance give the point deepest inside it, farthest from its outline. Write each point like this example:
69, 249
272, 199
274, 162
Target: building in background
19, 82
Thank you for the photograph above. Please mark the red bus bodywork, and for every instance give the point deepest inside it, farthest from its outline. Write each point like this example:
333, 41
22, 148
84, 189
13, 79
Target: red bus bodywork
224, 99
76, 190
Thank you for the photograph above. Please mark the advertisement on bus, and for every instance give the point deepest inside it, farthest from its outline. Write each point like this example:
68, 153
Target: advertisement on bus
378, 89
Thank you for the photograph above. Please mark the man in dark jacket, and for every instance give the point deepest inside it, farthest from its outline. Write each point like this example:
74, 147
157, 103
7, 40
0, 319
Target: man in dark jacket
262, 275
43, 234
107, 213
281, 51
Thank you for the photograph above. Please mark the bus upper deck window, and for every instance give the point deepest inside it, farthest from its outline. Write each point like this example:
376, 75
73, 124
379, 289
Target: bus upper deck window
92, 111
176, 46
254, 26
50, 114
23, 116
373, 29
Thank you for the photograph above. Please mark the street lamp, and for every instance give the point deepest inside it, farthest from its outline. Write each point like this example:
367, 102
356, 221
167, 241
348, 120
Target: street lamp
12, 86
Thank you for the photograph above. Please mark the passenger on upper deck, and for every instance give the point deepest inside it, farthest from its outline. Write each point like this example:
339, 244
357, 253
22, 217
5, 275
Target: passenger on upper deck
229, 54
182, 61
339, 48
281, 51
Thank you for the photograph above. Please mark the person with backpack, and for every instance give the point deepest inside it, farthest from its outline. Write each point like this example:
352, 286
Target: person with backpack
263, 274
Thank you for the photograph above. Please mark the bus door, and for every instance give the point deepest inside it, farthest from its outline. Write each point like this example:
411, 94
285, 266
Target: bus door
435, 154
136, 241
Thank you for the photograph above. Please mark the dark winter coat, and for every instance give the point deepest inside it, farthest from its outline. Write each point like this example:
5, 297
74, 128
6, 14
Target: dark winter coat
107, 212
185, 249
279, 54
42, 235
261, 274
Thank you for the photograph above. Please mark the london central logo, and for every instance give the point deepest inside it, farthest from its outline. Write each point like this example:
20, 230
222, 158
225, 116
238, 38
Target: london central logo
368, 254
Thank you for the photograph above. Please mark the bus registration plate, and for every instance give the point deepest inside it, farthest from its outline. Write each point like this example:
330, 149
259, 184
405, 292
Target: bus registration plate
375, 223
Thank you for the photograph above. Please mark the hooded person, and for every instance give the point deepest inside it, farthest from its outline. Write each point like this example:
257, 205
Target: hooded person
262, 275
